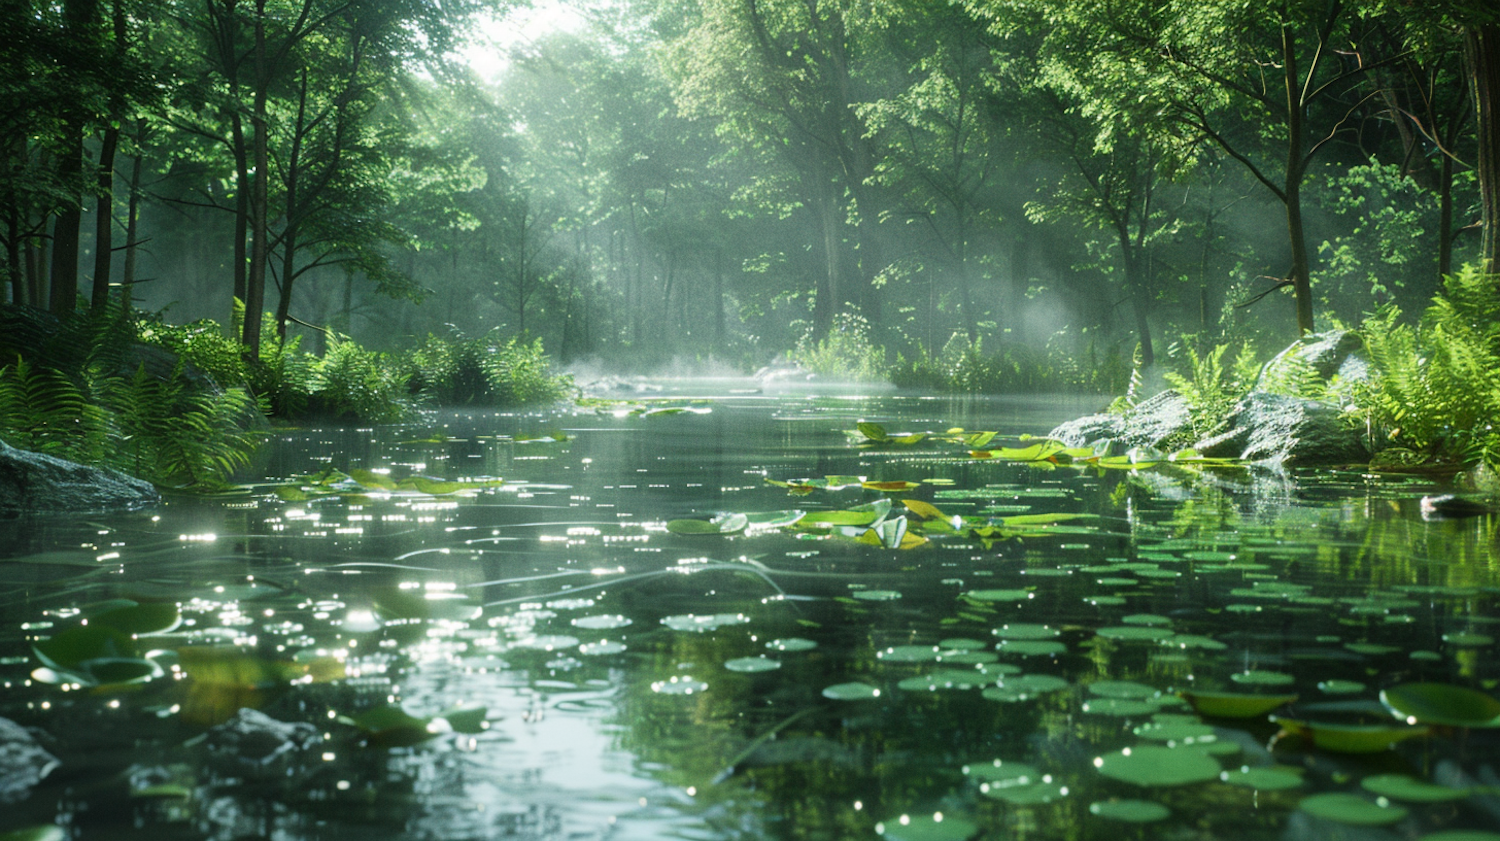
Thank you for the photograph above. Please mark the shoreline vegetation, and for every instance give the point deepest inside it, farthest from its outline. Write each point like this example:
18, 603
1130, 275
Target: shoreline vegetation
184, 406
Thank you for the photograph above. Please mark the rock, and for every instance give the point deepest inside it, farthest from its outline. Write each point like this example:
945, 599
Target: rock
1148, 424
42, 484
1325, 353
23, 762
254, 738
1281, 430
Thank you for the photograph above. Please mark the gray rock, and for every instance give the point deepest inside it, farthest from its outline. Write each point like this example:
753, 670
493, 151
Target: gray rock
254, 738
42, 484
1324, 353
23, 762
1148, 424
1281, 430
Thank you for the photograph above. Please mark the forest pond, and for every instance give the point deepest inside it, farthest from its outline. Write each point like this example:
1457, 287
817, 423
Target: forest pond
838, 636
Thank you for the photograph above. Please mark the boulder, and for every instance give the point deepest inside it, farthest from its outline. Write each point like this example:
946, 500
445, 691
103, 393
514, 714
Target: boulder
41, 484
1281, 430
254, 738
23, 762
1325, 353
1148, 424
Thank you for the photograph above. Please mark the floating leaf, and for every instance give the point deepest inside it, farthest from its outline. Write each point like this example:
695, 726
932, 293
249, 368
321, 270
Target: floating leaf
1270, 778
1349, 738
678, 686
371, 479
1256, 677
1351, 809
791, 644
851, 692
1402, 787
1150, 766
70, 647
925, 510
872, 431
859, 515
935, 827
1442, 703
1234, 704
750, 665
890, 487
1130, 811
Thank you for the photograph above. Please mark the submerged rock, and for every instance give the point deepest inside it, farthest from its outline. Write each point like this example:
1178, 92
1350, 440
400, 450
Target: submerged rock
23, 762
38, 483
254, 738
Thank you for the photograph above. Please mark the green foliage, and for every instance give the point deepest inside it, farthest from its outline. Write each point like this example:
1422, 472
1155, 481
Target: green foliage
1209, 386
846, 353
480, 370
351, 382
1434, 389
169, 431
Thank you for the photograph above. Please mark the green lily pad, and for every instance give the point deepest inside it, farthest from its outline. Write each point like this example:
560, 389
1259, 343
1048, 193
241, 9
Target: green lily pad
999, 772
1026, 631
935, 827
1176, 733
1152, 766
1130, 811
999, 595
1033, 794
1350, 738
1193, 641
876, 595
1410, 789
705, 623
601, 623
1124, 707
851, 692
750, 665
1442, 703
1033, 648
722, 525
1341, 687
792, 644
1265, 778
1136, 632
1351, 809
1256, 677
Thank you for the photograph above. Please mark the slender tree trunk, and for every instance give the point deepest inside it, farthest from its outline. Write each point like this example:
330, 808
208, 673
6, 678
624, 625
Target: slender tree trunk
13, 261
104, 220
132, 223
1483, 50
1445, 219
719, 299
293, 214
829, 302
255, 281
1295, 154
241, 206
65, 230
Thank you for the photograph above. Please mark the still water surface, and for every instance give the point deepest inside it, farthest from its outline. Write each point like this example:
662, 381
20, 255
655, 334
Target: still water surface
777, 683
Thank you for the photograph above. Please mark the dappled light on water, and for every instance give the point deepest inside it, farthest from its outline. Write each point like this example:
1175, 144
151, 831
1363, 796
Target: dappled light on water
690, 613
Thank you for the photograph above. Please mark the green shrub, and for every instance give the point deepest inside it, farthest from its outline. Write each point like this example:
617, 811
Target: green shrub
519, 375
846, 353
1434, 388
350, 382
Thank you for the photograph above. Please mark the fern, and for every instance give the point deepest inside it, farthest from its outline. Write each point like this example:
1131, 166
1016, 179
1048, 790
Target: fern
42, 410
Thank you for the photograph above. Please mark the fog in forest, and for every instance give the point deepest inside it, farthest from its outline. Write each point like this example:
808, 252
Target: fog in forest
713, 185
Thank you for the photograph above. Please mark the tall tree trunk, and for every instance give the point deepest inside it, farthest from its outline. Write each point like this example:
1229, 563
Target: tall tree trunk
132, 223
1483, 50
1296, 145
104, 219
255, 281
719, 299
241, 207
13, 261
829, 301
65, 230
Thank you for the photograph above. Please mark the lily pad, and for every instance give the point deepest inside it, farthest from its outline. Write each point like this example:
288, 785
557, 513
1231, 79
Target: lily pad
1442, 703
1351, 809
1256, 677
934, 827
750, 665
851, 692
1130, 811
792, 644
1153, 766
679, 686
1402, 787
1026, 631
1350, 738
1265, 778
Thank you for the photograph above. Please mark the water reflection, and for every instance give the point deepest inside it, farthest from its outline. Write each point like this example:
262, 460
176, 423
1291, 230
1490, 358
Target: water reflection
644, 684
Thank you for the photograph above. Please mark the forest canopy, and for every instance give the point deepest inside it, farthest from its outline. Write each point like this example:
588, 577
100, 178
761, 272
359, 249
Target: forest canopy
726, 179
